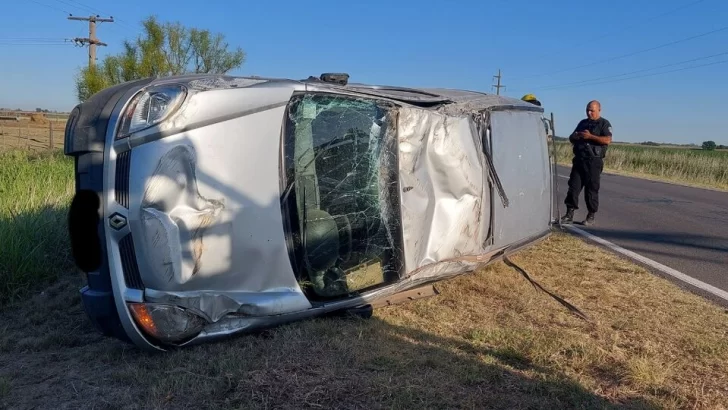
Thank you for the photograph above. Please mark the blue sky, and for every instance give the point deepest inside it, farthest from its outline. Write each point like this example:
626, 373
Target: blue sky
457, 44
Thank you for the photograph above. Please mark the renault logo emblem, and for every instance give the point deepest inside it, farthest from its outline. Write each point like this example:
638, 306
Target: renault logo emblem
117, 221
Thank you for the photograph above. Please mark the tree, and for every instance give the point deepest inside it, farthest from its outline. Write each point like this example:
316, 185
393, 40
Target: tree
163, 49
709, 145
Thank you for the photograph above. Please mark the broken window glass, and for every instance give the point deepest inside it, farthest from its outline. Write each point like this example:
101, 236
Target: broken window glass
341, 201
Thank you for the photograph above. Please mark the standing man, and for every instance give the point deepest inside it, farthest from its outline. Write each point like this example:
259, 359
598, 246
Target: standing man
590, 140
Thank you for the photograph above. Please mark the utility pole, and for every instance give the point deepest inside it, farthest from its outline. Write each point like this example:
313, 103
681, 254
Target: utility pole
498, 86
91, 40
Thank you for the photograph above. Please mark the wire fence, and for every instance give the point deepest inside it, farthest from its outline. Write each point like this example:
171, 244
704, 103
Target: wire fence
33, 133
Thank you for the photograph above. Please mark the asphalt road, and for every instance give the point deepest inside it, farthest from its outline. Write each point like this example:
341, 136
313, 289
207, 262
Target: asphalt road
680, 227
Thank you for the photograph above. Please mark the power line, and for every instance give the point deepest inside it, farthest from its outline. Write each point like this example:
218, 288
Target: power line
50, 7
84, 5
2, 43
557, 86
97, 12
640, 24
650, 75
636, 52
32, 39
34, 44
79, 5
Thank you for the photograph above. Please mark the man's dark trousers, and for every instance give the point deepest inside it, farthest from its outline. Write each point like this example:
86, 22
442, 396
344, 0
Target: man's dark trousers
585, 173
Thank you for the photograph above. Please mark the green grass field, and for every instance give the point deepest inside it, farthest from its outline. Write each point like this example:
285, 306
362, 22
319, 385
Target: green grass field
35, 192
694, 167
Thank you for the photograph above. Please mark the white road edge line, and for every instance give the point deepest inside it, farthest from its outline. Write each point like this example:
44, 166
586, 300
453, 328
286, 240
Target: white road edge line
656, 265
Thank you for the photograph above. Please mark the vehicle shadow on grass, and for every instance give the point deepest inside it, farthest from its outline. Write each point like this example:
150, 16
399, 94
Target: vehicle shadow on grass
51, 355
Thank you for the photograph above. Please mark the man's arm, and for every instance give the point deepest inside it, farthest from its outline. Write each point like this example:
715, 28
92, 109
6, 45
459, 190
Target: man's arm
575, 136
603, 140
606, 135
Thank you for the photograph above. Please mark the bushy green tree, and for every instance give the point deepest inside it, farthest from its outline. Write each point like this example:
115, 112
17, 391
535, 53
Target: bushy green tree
162, 49
709, 145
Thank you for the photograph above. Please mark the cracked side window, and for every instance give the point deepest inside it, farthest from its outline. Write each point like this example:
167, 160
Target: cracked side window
341, 201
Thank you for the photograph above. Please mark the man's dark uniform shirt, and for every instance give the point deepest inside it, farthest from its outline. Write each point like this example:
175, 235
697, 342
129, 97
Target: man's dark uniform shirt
589, 149
588, 164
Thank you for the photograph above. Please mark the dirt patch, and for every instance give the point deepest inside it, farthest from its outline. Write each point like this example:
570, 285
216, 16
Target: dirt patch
31, 136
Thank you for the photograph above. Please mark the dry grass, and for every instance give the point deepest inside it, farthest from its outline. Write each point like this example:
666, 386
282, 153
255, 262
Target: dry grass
31, 135
488, 340
692, 167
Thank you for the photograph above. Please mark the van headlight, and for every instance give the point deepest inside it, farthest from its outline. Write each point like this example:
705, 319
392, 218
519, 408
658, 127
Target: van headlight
166, 323
150, 107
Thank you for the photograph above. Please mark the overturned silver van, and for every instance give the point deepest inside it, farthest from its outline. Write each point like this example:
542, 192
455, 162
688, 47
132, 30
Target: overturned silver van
209, 205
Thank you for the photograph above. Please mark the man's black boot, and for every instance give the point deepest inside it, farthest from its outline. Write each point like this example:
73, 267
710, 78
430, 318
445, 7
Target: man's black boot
589, 219
568, 217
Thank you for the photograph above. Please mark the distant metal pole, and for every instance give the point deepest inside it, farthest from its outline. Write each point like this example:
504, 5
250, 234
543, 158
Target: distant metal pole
498, 86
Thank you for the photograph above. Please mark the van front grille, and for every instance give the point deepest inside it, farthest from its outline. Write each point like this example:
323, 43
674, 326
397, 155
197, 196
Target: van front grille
121, 189
132, 277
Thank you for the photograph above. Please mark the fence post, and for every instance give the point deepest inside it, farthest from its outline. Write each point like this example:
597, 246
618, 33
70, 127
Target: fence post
50, 128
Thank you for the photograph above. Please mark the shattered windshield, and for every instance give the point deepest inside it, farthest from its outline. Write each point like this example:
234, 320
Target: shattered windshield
341, 200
